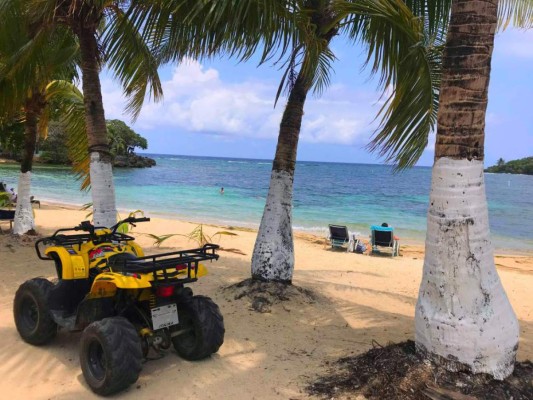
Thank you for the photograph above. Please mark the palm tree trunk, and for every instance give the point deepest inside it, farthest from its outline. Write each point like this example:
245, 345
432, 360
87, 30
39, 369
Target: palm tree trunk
24, 221
273, 256
101, 169
463, 317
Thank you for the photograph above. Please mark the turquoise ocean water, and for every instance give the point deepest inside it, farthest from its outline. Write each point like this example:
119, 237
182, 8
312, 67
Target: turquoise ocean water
357, 195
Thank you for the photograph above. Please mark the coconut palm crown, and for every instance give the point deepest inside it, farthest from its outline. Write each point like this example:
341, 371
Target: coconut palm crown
34, 79
106, 38
297, 35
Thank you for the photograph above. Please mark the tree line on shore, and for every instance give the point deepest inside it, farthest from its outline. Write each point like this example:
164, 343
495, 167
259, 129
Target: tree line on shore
54, 148
433, 63
522, 166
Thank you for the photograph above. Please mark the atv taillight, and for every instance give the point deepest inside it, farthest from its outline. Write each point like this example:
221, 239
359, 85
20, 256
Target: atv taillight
164, 291
181, 267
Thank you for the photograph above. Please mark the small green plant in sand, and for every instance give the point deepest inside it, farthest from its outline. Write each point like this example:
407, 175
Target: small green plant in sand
127, 227
197, 235
5, 200
123, 228
85, 207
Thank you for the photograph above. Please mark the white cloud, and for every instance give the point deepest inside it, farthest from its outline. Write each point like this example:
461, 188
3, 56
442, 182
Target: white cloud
198, 100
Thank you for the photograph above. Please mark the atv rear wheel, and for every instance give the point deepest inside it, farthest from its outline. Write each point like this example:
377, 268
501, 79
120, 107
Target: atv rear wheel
200, 331
110, 355
32, 315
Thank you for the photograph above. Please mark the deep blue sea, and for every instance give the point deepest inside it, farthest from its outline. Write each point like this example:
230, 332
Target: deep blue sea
357, 195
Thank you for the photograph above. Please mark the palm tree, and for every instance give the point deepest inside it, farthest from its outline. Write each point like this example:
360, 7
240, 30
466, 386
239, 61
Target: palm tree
29, 92
393, 34
463, 317
105, 36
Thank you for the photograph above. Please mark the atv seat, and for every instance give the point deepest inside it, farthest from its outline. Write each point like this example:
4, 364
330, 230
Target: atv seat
118, 262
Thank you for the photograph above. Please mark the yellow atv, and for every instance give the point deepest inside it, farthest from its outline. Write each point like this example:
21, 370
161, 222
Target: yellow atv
125, 302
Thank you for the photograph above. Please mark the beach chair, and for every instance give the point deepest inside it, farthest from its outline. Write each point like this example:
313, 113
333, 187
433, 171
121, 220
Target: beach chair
382, 237
339, 237
7, 216
35, 201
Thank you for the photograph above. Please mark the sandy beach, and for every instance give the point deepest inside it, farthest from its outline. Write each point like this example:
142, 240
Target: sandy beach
357, 299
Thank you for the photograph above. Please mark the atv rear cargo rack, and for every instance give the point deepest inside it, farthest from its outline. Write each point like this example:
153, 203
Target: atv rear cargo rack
166, 268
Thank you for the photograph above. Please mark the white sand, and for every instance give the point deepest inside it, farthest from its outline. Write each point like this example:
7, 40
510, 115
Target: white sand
264, 356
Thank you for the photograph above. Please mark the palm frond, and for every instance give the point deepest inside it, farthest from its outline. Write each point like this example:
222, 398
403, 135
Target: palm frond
407, 58
434, 14
197, 29
518, 13
131, 61
319, 67
69, 101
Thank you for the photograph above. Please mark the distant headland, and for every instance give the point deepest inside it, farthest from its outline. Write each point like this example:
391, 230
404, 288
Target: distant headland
54, 149
523, 166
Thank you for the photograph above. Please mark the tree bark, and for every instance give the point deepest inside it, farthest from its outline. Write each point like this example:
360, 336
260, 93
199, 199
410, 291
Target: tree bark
273, 255
463, 319
101, 171
24, 221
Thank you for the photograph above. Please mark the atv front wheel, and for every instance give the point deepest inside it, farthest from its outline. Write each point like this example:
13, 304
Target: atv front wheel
110, 355
200, 331
32, 315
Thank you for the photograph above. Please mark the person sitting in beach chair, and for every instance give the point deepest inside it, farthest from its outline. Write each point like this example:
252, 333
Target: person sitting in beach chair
9, 194
12, 195
339, 237
383, 237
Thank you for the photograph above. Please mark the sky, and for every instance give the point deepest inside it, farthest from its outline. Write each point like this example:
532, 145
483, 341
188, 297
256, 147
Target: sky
223, 108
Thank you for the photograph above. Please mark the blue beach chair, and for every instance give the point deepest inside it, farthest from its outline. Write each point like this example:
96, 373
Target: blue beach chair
7, 216
383, 237
339, 237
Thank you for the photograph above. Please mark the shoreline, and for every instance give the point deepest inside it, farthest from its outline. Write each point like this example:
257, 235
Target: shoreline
411, 245
188, 196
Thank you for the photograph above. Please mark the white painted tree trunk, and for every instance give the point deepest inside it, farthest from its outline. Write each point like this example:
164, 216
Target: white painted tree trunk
463, 317
103, 192
24, 221
273, 256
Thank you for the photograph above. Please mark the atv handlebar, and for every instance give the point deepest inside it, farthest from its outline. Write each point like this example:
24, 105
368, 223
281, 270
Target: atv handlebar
86, 226
132, 219
129, 220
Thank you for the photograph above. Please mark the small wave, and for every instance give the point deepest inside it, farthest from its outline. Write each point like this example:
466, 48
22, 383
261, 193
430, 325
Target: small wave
238, 162
323, 230
315, 229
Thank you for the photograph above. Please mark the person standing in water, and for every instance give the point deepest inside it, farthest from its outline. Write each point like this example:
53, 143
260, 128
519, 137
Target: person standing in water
221, 190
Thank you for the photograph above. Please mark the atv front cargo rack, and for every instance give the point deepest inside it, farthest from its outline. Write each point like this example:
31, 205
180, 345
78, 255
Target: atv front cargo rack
169, 268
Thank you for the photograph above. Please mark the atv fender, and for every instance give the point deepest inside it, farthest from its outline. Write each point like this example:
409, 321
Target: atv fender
73, 265
202, 271
94, 309
136, 249
106, 284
